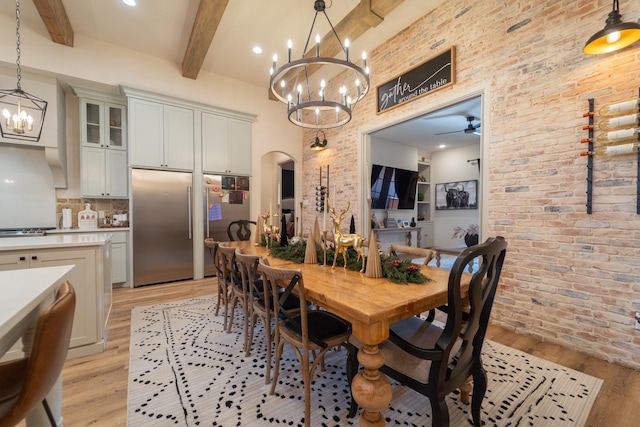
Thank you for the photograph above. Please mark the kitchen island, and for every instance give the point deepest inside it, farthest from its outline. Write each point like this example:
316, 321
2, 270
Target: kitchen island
90, 254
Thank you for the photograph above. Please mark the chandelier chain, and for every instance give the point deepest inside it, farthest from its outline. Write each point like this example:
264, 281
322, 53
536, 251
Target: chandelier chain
18, 69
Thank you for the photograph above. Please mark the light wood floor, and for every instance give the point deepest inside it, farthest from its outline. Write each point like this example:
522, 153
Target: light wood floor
95, 387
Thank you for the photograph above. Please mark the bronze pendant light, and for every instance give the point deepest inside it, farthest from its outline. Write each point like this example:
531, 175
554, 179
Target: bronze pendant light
614, 36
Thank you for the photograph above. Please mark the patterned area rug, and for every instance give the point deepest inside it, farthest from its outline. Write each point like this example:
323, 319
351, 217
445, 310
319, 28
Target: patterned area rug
184, 371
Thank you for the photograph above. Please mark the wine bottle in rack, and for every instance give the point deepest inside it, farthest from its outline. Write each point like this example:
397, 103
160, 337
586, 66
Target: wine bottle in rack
618, 108
614, 150
618, 135
627, 121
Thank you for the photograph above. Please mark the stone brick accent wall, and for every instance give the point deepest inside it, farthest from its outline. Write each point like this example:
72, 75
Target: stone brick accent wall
570, 278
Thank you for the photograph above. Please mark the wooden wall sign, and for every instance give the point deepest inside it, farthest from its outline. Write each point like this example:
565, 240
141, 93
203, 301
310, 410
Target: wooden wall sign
433, 74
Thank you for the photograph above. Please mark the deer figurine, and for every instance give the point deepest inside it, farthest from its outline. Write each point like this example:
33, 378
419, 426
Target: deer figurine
344, 241
270, 231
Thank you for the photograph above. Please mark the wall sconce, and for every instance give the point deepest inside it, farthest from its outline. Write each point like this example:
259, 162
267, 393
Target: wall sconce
614, 36
318, 145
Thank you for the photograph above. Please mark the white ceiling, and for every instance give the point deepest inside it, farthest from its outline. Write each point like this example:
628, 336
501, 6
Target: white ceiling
162, 28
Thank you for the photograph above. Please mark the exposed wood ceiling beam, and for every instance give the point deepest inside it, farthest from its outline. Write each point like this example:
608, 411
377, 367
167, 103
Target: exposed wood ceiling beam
55, 19
368, 14
204, 28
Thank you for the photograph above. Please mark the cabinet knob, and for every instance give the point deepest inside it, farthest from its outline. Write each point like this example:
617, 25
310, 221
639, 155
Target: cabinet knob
34, 257
23, 258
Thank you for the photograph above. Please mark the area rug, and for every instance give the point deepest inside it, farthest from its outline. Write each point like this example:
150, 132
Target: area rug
185, 371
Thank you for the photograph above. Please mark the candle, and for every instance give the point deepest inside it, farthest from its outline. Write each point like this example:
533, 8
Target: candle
275, 60
346, 48
322, 85
317, 44
289, 46
279, 195
270, 211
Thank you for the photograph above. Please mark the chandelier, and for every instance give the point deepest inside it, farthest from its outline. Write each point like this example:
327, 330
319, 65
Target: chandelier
22, 113
299, 84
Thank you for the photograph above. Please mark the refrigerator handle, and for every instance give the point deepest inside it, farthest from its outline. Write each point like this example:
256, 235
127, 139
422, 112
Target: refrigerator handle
189, 210
206, 209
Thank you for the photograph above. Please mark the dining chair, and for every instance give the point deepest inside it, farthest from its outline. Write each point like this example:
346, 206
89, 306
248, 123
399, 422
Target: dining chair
239, 229
252, 291
230, 282
435, 359
25, 383
412, 252
307, 331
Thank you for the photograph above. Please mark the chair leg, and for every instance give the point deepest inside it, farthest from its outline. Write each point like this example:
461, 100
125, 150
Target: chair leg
479, 390
306, 379
47, 409
270, 338
465, 391
276, 367
252, 325
232, 311
439, 411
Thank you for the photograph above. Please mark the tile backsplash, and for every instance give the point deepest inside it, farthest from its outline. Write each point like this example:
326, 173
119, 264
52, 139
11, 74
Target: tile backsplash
109, 206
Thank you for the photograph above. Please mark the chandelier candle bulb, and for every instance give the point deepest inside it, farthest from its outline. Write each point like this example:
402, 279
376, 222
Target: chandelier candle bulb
364, 61
289, 46
620, 107
620, 122
322, 86
614, 150
618, 135
317, 45
346, 48
299, 93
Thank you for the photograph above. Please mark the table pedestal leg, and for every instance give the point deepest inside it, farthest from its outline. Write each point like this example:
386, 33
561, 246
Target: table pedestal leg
371, 389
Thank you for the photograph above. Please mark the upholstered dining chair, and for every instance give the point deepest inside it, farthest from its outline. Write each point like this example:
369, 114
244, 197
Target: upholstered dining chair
25, 383
307, 331
412, 252
436, 359
239, 230
230, 281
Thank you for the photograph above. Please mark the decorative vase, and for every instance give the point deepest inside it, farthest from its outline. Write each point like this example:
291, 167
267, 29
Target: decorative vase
471, 239
413, 222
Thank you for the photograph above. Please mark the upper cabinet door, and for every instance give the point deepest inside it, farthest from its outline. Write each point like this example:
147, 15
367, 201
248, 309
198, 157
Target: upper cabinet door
115, 126
92, 123
214, 143
178, 137
147, 133
239, 152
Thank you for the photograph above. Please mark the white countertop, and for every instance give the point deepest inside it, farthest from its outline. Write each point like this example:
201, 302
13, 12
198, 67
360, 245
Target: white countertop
22, 292
84, 230
55, 241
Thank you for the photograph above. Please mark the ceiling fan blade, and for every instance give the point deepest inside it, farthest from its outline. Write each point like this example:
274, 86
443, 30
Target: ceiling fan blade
446, 133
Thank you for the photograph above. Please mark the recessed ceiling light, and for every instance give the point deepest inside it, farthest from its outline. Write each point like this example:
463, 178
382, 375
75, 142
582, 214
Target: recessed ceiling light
441, 146
257, 49
129, 2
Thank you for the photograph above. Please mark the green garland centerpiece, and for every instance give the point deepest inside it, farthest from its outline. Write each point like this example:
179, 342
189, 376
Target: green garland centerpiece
393, 268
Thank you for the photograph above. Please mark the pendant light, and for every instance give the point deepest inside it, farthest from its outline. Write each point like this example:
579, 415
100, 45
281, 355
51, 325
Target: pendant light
614, 36
318, 145
22, 113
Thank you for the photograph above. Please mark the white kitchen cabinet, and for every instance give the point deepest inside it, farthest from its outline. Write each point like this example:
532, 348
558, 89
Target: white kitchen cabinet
119, 257
103, 151
89, 279
103, 124
226, 145
161, 135
104, 173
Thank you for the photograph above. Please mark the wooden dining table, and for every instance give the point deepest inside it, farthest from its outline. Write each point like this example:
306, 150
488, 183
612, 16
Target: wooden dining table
371, 305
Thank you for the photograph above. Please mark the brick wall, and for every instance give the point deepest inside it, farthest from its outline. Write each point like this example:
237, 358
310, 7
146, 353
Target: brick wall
570, 278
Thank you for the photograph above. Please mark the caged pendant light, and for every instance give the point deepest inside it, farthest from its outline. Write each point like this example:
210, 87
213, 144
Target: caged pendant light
22, 113
614, 36
300, 86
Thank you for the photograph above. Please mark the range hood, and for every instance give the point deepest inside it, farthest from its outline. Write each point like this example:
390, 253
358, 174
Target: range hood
53, 139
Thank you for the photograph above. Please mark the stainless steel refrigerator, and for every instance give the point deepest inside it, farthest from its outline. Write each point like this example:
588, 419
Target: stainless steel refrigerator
226, 199
161, 220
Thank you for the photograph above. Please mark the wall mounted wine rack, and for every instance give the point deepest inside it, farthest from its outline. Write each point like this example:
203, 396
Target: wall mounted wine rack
589, 140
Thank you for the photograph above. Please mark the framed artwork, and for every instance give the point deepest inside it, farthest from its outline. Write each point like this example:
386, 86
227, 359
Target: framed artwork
399, 221
457, 195
405, 224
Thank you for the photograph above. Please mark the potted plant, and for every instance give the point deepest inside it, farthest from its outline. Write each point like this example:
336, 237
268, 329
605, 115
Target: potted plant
470, 234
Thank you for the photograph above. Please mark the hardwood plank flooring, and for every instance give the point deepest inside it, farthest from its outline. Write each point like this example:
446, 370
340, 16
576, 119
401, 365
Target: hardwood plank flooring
95, 387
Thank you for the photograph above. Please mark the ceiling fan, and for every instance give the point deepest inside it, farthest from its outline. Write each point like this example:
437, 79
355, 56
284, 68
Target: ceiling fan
471, 128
